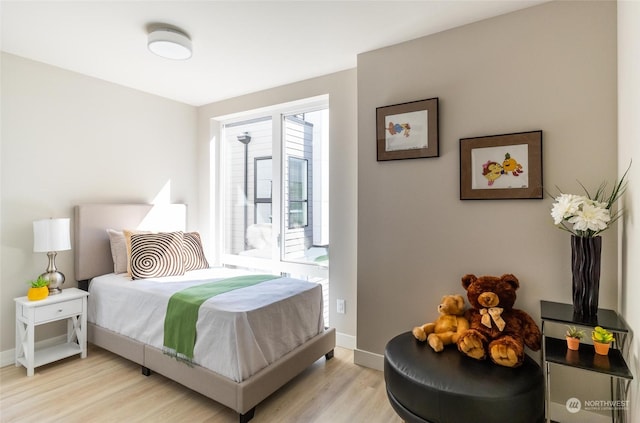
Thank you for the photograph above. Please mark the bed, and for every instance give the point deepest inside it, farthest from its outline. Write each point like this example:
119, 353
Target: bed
247, 368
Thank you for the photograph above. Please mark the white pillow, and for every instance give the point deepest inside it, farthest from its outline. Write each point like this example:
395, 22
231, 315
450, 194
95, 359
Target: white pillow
118, 250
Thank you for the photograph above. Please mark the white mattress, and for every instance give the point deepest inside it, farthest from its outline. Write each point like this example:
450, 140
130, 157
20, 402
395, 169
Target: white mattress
238, 332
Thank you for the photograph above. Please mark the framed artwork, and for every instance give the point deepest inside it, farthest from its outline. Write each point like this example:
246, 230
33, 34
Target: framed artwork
407, 130
505, 166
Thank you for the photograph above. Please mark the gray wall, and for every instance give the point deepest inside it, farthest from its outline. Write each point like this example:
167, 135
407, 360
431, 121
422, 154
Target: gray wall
69, 139
551, 67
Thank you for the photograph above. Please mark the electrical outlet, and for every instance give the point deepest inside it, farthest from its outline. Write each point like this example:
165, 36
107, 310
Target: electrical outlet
340, 306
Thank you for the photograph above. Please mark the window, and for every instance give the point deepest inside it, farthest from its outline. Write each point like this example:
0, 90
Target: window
263, 183
274, 189
297, 193
272, 194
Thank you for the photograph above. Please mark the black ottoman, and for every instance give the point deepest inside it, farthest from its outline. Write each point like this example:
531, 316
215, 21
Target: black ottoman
449, 387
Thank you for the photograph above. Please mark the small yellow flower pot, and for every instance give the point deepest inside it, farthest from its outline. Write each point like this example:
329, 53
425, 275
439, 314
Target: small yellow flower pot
602, 349
35, 294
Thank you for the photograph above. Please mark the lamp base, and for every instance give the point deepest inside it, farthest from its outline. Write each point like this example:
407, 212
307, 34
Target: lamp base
55, 279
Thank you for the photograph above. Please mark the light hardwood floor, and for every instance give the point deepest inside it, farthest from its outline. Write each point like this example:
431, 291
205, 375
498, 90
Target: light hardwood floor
106, 388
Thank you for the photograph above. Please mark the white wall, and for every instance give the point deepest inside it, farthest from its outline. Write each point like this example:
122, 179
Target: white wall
103, 136
629, 149
69, 139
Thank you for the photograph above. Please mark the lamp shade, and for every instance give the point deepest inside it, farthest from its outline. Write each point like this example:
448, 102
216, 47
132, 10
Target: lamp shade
51, 235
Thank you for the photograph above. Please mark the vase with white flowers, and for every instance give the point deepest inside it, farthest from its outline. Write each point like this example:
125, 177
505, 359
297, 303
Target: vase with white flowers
586, 217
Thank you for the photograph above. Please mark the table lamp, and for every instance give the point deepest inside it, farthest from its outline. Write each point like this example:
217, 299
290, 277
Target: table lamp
50, 236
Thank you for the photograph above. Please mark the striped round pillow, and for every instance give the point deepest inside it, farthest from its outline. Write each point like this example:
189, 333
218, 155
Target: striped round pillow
157, 255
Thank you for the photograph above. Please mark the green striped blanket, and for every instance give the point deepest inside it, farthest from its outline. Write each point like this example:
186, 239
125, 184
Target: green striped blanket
183, 307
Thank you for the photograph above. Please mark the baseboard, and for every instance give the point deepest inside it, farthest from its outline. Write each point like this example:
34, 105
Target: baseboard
345, 341
368, 359
8, 357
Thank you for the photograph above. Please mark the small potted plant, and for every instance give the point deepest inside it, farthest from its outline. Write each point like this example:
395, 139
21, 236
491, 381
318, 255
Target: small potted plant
39, 289
574, 335
602, 339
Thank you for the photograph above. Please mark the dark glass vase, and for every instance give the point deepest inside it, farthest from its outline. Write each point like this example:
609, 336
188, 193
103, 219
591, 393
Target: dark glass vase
585, 267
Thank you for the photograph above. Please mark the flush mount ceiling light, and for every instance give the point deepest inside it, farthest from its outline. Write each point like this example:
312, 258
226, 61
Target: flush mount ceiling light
169, 43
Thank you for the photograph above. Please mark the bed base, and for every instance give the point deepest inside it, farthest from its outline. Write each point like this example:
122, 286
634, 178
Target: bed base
243, 396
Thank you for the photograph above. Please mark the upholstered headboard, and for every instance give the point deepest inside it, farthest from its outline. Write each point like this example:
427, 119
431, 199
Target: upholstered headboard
92, 251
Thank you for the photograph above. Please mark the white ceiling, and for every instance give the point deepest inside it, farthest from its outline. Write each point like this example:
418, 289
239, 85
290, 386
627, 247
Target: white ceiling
239, 46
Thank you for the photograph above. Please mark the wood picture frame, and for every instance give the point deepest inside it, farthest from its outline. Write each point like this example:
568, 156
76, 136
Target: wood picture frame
507, 166
407, 130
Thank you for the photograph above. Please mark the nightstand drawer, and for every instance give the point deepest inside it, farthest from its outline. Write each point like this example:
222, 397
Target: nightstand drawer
58, 310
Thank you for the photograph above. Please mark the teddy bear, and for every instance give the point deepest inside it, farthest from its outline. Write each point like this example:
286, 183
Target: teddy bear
495, 327
448, 326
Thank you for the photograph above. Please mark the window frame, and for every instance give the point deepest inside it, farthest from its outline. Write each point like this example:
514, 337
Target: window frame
277, 114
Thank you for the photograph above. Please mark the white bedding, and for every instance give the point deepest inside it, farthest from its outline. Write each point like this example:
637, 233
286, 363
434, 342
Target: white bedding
238, 332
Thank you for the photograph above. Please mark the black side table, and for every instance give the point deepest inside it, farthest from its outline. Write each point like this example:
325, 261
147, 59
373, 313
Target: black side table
555, 351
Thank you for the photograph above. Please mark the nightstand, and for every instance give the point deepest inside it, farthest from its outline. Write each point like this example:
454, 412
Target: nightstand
70, 304
555, 351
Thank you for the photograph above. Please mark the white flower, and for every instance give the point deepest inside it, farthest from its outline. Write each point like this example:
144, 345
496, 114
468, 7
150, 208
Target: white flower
589, 214
592, 216
566, 205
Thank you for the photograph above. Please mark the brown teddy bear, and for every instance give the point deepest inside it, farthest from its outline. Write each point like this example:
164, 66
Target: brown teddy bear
448, 327
495, 327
